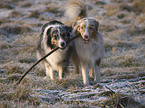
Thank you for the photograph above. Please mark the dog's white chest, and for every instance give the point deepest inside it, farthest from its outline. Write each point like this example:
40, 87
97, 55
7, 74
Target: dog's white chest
55, 58
87, 52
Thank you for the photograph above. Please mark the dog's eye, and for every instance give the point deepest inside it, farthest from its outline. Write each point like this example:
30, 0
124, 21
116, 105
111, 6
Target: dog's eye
68, 34
62, 34
55, 37
82, 27
90, 28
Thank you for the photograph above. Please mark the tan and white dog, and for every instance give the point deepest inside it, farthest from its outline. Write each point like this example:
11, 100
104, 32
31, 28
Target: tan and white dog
89, 46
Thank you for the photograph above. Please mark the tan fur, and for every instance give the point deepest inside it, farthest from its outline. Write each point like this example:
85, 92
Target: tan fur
89, 47
75, 9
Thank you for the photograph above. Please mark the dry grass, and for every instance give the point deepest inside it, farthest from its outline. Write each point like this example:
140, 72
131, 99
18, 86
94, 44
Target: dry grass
134, 30
141, 18
6, 5
3, 21
107, 28
34, 14
111, 9
139, 6
20, 93
122, 26
139, 39
70, 82
14, 69
119, 101
15, 28
39, 72
51, 9
25, 4
15, 14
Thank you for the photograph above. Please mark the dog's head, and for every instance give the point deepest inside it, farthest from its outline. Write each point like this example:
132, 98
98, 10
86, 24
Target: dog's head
57, 35
87, 28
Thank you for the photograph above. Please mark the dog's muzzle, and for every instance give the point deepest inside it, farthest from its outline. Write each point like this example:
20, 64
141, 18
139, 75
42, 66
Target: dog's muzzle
86, 36
62, 45
86, 39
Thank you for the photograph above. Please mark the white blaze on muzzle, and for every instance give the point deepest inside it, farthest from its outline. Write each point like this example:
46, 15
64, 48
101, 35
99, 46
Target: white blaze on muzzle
86, 33
61, 42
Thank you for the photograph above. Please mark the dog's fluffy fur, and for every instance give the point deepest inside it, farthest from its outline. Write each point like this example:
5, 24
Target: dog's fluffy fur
89, 46
55, 34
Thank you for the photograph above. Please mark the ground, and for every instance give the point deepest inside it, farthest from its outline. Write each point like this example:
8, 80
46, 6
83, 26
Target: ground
122, 23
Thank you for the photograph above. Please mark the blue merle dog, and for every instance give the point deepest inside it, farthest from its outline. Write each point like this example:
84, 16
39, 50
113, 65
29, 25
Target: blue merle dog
55, 34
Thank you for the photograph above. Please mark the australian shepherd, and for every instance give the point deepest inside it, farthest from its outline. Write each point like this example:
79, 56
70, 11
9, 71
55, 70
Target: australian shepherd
55, 34
89, 46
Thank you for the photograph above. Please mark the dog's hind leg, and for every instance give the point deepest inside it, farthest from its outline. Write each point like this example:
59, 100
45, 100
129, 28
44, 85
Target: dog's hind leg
91, 72
52, 74
63, 69
60, 72
85, 74
97, 73
97, 70
76, 63
75, 60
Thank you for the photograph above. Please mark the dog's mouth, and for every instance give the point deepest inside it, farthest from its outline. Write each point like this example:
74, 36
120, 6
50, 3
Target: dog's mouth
62, 48
62, 45
85, 38
86, 41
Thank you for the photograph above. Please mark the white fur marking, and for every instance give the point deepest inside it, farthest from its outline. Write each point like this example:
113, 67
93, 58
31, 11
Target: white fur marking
60, 39
86, 29
46, 29
85, 75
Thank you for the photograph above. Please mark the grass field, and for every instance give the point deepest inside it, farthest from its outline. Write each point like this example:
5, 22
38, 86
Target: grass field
122, 23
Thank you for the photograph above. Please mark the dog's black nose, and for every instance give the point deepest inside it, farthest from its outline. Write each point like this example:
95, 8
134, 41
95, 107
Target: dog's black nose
62, 44
86, 36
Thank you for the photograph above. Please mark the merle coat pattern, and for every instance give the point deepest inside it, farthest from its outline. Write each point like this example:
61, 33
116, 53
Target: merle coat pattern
89, 47
55, 34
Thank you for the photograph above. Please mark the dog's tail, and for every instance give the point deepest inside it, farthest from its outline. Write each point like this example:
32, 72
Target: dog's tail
76, 9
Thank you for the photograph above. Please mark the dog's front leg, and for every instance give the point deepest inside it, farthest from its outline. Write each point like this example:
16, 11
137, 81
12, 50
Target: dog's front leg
52, 74
91, 72
85, 75
63, 71
60, 72
49, 72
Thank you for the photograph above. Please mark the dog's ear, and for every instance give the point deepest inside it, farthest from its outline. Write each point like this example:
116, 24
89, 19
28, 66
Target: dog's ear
55, 22
68, 32
48, 33
69, 28
75, 26
43, 27
97, 25
75, 23
49, 37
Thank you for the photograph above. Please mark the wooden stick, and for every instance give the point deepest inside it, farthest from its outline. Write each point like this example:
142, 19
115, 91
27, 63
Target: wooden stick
110, 89
37, 62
